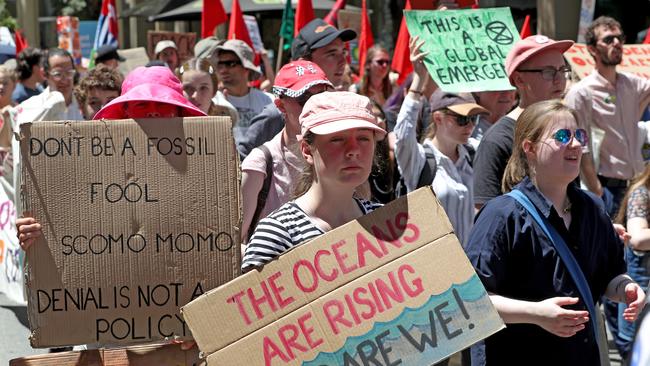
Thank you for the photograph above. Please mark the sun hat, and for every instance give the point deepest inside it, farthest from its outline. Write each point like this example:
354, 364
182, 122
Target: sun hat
161, 45
331, 112
528, 47
244, 53
457, 103
207, 46
108, 52
296, 77
317, 34
149, 84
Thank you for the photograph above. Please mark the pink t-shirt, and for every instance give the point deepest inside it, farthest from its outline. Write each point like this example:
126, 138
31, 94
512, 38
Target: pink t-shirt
287, 167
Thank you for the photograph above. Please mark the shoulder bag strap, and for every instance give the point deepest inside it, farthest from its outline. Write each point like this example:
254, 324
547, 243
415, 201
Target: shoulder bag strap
567, 258
428, 173
264, 192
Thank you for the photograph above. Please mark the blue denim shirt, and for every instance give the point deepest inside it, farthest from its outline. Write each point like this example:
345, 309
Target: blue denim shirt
514, 258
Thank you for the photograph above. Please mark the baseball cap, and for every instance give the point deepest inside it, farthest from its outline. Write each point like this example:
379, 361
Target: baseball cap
317, 34
207, 46
108, 52
161, 45
245, 55
528, 47
296, 77
331, 112
457, 103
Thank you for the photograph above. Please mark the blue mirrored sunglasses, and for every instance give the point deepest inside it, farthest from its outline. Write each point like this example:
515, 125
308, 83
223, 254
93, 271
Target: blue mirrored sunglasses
564, 136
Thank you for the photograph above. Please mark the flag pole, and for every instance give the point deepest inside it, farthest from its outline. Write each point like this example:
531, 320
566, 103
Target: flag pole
278, 61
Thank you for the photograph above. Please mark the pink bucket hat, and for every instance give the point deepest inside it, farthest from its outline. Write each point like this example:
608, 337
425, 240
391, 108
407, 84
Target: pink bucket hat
149, 84
331, 112
528, 47
296, 77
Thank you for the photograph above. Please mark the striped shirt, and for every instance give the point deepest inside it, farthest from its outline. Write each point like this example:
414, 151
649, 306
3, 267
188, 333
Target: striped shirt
282, 230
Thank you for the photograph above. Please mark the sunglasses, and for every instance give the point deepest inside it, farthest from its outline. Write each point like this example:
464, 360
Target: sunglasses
549, 73
382, 62
610, 39
565, 135
463, 121
229, 64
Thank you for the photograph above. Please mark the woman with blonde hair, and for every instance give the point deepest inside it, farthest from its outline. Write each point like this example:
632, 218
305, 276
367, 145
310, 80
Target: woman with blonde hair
547, 251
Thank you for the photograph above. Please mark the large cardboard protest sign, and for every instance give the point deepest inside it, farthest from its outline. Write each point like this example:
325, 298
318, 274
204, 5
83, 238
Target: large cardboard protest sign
393, 287
636, 60
467, 48
139, 217
184, 42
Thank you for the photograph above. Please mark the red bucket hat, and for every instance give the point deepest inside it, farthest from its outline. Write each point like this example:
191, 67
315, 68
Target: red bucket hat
528, 47
296, 77
149, 84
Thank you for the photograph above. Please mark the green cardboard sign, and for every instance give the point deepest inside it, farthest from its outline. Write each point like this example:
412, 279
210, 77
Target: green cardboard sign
467, 48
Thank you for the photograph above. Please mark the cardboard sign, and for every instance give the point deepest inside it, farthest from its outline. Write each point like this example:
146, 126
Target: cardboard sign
134, 57
139, 217
11, 256
184, 41
254, 32
154, 354
467, 48
636, 60
393, 287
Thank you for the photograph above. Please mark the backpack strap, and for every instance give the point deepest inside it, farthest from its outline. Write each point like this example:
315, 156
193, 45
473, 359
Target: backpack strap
264, 192
428, 173
471, 151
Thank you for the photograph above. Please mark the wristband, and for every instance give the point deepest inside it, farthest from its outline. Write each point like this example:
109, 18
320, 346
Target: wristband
415, 92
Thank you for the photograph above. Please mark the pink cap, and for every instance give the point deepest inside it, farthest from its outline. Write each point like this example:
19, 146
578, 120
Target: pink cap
525, 48
295, 78
331, 112
153, 84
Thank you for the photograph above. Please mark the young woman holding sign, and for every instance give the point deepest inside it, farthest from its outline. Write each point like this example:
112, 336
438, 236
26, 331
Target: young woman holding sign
339, 132
547, 251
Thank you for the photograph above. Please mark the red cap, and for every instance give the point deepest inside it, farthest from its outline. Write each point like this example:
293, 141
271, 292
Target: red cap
296, 77
528, 47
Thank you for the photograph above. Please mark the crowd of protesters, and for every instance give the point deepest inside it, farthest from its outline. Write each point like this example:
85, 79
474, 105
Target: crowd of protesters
530, 195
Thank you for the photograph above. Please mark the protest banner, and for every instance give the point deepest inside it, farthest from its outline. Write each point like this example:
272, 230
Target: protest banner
67, 29
11, 256
392, 287
636, 60
139, 217
254, 33
146, 355
184, 41
351, 19
467, 48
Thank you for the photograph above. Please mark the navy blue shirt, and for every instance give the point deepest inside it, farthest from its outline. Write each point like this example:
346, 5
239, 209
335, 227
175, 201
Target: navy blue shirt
514, 258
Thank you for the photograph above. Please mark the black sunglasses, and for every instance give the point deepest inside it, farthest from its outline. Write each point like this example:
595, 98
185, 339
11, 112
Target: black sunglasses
229, 64
463, 120
382, 62
610, 39
550, 73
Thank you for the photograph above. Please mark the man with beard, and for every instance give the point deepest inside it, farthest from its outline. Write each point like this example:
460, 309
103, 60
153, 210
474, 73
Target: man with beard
613, 102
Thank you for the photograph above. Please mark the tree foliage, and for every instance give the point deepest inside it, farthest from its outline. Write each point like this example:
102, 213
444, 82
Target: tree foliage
6, 20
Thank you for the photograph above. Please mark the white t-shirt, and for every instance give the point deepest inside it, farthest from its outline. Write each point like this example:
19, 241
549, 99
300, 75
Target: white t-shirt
248, 106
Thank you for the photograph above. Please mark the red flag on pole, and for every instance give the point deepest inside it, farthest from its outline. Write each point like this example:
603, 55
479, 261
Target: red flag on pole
304, 15
237, 28
525, 29
212, 15
366, 40
646, 40
401, 59
21, 43
332, 17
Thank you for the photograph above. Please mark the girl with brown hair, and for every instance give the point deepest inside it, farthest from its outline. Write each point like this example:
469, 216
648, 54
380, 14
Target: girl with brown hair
375, 82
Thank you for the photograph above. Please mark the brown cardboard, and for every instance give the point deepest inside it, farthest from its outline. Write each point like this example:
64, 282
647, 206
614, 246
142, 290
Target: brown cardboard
155, 354
184, 41
178, 223
636, 60
292, 321
134, 57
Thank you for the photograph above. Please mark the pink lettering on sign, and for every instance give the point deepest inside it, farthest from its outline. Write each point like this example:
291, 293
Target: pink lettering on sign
270, 299
294, 339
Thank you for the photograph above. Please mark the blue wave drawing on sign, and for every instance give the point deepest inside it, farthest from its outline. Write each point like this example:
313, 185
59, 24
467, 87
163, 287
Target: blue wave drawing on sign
445, 324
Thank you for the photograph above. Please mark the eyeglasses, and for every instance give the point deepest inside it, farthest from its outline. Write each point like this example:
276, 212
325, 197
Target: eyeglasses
565, 135
610, 39
463, 121
549, 73
59, 75
229, 63
382, 62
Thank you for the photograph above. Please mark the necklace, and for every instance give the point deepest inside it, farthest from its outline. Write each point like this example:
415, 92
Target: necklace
567, 208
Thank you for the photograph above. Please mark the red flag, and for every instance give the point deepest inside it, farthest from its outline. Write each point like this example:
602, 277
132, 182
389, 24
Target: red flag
21, 43
366, 40
304, 15
646, 40
213, 14
401, 59
333, 16
237, 28
525, 29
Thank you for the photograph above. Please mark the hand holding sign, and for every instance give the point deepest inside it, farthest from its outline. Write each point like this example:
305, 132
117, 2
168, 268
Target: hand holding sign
420, 74
28, 230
